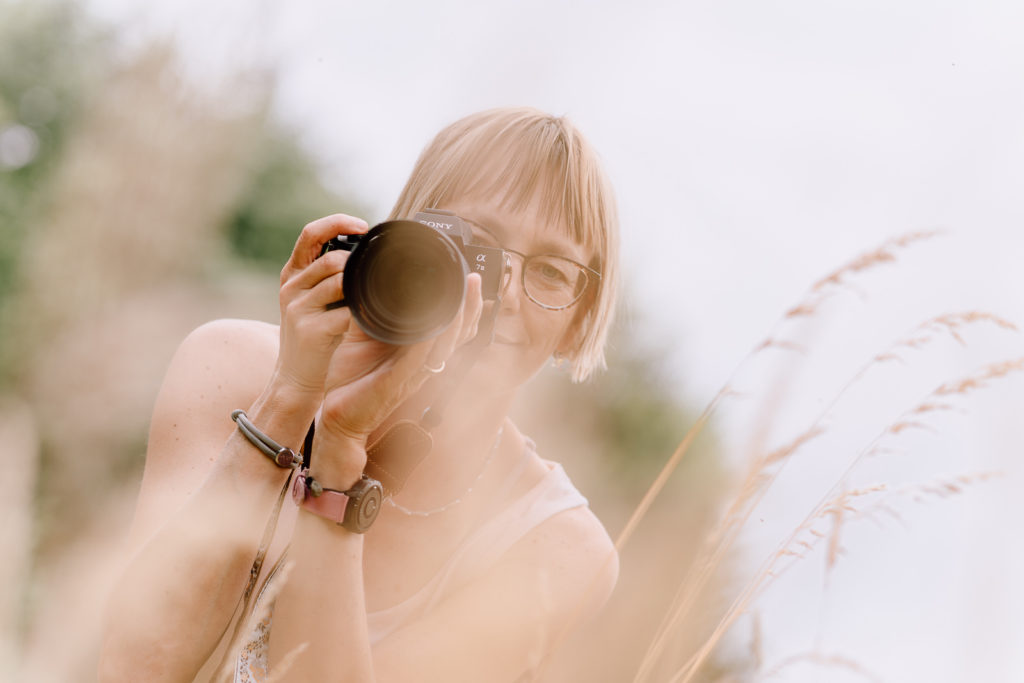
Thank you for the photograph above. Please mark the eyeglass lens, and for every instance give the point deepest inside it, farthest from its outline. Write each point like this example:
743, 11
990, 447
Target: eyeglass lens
553, 281
549, 280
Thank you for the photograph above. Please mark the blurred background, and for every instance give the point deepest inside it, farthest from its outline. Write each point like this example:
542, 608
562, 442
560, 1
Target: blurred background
157, 161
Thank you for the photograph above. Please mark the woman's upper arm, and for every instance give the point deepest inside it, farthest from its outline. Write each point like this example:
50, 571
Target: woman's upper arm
501, 626
220, 366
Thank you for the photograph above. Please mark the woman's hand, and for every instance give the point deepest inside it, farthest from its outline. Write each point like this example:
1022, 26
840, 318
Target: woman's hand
310, 333
323, 355
368, 379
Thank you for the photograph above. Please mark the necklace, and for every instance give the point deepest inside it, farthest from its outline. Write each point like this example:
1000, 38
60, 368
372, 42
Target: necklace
452, 503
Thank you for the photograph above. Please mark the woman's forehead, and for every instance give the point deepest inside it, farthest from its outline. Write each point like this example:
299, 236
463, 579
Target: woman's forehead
533, 188
520, 181
524, 229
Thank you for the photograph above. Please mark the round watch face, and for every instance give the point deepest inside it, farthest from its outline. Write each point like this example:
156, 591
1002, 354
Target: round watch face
364, 503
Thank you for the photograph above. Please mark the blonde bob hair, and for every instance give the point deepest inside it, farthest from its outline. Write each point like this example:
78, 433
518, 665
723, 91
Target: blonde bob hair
517, 155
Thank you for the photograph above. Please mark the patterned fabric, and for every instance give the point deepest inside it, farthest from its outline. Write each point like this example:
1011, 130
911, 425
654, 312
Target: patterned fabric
251, 665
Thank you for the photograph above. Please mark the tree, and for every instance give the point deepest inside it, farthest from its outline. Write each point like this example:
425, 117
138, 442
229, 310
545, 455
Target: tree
49, 61
117, 224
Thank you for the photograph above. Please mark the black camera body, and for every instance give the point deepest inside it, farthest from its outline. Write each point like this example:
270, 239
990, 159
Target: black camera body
405, 280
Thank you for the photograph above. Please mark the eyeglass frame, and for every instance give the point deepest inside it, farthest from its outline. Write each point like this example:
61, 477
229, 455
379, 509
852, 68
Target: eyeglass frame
588, 271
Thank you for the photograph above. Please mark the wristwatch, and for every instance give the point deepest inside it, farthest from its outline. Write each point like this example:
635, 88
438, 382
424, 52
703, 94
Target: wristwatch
355, 509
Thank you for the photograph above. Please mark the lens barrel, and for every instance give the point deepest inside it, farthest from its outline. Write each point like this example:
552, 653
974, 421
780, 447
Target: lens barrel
404, 282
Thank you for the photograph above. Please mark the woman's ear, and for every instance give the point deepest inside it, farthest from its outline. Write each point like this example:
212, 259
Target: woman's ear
567, 346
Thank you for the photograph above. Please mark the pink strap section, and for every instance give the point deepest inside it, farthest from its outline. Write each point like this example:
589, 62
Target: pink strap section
329, 504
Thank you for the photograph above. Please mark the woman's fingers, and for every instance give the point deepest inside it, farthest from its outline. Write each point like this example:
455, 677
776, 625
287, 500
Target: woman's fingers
305, 300
314, 236
318, 284
329, 264
425, 359
464, 326
310, 333
368, 379
472, 309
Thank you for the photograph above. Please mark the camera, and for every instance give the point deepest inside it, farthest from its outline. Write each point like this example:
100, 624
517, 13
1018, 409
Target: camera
405, 280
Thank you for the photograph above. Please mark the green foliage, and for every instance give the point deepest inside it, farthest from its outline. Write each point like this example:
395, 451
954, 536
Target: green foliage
285, 193
639, 416
49, 61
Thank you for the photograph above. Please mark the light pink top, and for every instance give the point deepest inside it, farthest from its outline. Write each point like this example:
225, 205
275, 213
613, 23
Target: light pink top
477, 553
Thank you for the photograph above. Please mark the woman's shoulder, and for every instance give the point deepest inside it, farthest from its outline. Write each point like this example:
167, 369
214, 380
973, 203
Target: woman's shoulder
229, 359
571, 549
220, 362
233, 335
573, 560
221, 365
227, 348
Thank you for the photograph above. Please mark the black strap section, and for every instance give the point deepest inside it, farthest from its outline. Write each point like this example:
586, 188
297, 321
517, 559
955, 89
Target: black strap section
307, 445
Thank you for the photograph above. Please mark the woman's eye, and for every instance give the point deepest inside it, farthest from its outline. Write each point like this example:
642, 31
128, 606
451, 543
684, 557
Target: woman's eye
552, 273
549, 273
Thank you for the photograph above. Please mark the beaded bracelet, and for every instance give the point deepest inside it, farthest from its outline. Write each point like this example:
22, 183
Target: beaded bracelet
282, 456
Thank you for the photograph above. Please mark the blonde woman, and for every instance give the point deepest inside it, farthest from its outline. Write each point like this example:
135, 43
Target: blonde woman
483, 553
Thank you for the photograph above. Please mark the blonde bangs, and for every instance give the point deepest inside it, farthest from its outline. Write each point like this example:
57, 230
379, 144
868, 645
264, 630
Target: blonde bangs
518, 156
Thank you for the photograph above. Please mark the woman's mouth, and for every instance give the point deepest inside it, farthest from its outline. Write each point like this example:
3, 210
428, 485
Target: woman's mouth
500, 338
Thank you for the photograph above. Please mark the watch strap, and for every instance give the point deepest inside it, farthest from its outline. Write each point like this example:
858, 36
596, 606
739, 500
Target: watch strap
329, 504
355, 509
325, 503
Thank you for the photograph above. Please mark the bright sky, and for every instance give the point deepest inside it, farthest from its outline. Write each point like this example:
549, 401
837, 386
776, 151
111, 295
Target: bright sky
755, 147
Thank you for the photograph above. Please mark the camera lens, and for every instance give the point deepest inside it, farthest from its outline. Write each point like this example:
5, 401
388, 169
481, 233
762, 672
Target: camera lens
404, 282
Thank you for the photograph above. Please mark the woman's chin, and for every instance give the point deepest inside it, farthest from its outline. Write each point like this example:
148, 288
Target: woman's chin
503, 367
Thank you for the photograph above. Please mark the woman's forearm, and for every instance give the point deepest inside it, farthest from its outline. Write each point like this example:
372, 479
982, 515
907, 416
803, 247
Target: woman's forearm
180, 590
322, 607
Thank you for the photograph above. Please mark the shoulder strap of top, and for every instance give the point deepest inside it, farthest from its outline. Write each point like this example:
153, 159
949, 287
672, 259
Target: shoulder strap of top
552, 495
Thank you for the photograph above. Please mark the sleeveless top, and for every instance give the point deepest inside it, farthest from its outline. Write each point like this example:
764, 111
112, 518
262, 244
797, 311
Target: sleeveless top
472, 558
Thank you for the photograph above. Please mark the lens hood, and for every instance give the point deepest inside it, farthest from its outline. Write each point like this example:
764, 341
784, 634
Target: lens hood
404, 282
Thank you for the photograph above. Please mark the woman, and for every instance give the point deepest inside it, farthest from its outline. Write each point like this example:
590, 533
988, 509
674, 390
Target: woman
485, 555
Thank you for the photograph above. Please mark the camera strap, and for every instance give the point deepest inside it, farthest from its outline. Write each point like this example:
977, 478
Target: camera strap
433, 415
404, 445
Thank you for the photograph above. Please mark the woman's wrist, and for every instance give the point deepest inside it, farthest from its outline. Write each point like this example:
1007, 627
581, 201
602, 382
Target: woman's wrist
339, 460
283, 414
287, 395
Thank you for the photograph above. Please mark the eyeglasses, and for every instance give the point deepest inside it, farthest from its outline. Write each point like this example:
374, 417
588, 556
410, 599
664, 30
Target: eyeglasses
551, 281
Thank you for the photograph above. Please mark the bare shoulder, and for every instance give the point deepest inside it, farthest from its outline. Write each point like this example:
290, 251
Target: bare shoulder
572, 554
232, 338
218, 363
220, 366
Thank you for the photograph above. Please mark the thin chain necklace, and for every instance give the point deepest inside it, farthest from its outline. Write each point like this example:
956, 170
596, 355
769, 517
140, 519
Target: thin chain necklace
452, 503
